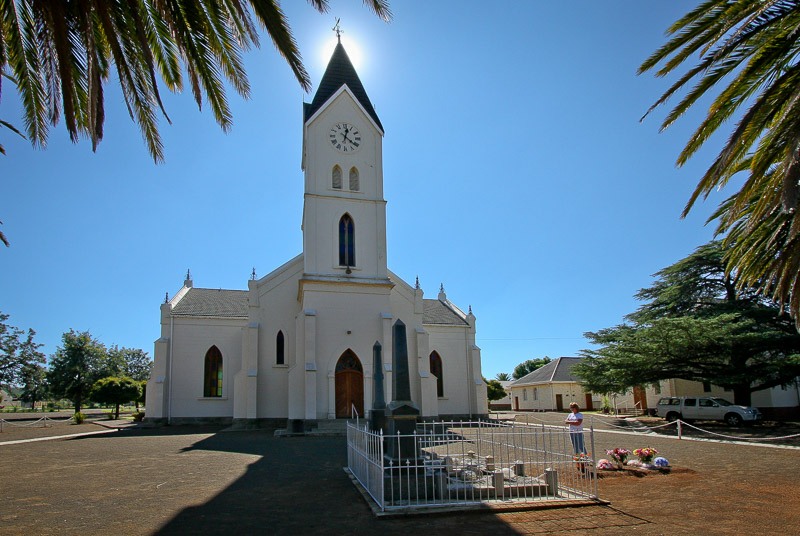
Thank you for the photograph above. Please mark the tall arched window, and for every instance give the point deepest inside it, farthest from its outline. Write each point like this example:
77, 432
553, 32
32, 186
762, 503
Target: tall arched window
354, 183
212, 375
279, 360
436, 370
336, 177
347, 241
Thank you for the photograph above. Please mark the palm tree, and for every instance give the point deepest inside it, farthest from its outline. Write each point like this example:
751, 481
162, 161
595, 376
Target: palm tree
749, 60
503, 377
60, 53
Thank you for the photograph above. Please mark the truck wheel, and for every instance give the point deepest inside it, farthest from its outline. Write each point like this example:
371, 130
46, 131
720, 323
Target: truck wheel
672, 416
733, 419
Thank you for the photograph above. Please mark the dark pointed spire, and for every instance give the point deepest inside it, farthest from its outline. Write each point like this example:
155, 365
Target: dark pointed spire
340, 71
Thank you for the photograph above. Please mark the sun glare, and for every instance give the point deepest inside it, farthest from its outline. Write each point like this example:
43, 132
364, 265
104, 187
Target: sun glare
349, 44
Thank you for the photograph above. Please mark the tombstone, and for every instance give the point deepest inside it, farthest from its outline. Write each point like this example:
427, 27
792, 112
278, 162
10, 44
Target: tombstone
401, 413
377, 416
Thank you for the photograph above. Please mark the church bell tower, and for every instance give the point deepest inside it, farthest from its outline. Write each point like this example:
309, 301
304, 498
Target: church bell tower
344, 212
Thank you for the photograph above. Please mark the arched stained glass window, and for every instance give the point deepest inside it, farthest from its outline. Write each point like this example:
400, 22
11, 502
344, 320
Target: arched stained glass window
336, 178
212, 376
279, 359
436, 370
347, 241
354, 182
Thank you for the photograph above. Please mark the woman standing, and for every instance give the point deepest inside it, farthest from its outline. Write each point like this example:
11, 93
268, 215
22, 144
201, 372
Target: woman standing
575, 422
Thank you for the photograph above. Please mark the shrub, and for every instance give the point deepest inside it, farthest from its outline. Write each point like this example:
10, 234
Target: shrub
138, 416
79, 417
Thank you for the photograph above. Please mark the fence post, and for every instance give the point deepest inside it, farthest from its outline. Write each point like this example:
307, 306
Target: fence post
679, 429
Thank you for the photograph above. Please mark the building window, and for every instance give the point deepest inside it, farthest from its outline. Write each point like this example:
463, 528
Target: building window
536, 393
706, 387
212, 377
436, 370
354, 182
336, 179
347, 241
524, 394
279, 360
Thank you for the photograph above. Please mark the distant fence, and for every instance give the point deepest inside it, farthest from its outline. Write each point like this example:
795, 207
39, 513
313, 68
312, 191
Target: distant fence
467, 464
42, 422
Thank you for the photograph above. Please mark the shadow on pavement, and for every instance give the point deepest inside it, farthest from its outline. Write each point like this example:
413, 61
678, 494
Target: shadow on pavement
299, 487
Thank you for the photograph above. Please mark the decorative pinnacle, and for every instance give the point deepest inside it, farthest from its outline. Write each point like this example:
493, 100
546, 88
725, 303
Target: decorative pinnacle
188, 274
253, 275
441, 287
338, 31
417, 285
470, 309
166, 297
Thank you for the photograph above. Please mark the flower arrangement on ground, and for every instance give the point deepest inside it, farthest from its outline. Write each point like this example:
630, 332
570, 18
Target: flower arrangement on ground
605, 465
645, 455
618, 456
582, 462
661, 462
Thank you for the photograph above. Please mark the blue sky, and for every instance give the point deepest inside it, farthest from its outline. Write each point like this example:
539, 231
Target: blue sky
516, 172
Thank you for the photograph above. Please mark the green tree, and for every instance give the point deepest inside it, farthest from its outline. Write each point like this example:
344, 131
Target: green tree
503, 376
59, 55
142, 399
526, 367
697, 324
116, 391
136, 363
17, 349
34, 383
494, 391
748, 63
75, 366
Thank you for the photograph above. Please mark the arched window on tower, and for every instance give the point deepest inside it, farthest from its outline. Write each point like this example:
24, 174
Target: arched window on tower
347, 241
354, 182
336, 177
436, 370
279, 359
212, 375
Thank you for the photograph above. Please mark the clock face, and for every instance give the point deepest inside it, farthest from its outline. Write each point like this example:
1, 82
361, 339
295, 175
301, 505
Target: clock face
345, 137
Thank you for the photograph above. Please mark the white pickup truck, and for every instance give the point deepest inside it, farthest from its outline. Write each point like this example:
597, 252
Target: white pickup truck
691, 408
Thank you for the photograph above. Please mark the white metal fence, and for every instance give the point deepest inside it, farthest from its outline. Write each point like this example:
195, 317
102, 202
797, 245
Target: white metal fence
469, 464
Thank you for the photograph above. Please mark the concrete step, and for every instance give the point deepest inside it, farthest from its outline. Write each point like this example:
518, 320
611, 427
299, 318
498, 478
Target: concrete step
323, 428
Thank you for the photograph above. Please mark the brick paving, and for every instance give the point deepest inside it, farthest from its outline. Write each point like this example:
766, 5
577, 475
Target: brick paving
191, 480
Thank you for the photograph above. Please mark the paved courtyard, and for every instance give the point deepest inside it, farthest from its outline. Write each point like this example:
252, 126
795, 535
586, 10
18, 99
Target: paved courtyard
192, 480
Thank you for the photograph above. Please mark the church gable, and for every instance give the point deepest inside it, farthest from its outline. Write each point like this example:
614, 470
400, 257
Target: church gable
340, 72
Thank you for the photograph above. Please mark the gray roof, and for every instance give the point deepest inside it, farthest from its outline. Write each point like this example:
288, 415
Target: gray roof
233, 304
212, 302
558, 370
340, 71
439, 312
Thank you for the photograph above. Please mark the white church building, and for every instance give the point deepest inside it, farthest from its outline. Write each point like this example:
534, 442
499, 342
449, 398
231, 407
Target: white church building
297, 345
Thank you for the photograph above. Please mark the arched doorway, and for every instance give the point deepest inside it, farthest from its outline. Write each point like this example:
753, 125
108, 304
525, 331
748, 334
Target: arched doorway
349, 385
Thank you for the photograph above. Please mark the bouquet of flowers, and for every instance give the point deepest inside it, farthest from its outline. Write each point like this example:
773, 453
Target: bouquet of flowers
646, 454
618, 456
582, 462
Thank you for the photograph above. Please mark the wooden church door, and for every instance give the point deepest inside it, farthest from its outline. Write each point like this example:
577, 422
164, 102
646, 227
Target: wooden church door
349, 385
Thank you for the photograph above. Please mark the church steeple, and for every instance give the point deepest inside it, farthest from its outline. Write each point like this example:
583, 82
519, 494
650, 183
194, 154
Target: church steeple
340, 72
